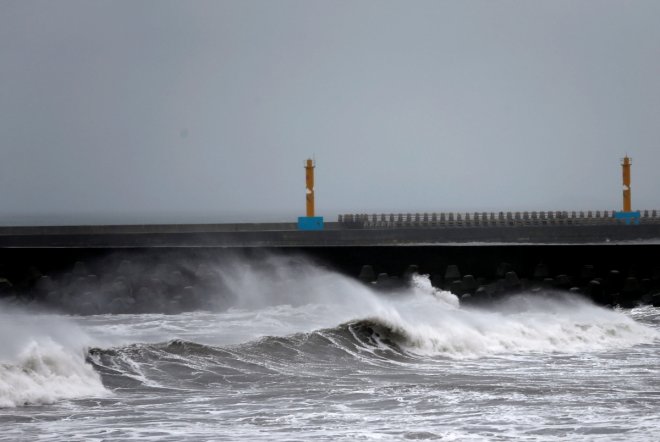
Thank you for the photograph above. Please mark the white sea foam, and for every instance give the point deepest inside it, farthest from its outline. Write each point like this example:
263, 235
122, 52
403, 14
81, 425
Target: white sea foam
42, 360
520, 324
282, 296
431, 321
421, 285
531, 390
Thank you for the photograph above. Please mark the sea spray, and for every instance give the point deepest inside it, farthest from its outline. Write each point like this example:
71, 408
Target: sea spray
292, 298
421, 286
283, 295
44, 373
42, 360
519, 324
314, 355
289, 280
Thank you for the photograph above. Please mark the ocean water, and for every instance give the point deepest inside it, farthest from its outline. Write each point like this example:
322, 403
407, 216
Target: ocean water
308, 354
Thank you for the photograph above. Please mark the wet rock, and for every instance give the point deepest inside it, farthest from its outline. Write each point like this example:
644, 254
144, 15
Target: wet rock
587, 273
382, 278
384, 282
595, 291
496, 288
503, 268
630, 293
632, 285
655, 300
470, 284
452, 273
436, 280
33, 275
481, 295
655, 278
5, 285
456, 287
511, 281
6, 288
45, 284
367, 274
409, 272
613, 282
563, 282
647, 290
540, 272
525, 284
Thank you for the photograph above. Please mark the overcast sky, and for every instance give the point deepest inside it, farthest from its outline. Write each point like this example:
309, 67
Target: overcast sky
201, 111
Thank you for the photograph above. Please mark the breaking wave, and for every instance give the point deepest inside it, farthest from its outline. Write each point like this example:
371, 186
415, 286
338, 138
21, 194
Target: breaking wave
422, 332
42, 360
542, 326
46, 360
45, 374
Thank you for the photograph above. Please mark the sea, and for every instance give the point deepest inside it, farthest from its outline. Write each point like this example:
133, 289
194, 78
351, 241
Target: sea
309, 354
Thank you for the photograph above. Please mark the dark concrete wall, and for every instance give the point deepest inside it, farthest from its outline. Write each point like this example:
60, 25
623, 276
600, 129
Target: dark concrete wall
285, 235
637, 260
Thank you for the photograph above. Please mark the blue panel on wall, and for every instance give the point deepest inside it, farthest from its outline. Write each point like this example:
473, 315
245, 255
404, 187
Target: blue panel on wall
629, 217
310, 223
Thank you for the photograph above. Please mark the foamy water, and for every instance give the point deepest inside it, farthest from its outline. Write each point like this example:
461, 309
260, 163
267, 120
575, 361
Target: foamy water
310, 354
42, 360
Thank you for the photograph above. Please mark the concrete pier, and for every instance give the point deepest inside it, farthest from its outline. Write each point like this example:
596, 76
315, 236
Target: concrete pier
408, 230
478, 257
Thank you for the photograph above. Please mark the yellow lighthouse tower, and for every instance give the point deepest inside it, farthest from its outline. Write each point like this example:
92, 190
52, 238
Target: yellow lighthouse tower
309, 182
625, 165
627, 215
309, 221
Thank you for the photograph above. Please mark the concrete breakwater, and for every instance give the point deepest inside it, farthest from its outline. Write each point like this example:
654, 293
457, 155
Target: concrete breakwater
170, 280
355, 232
491, 219
479, 257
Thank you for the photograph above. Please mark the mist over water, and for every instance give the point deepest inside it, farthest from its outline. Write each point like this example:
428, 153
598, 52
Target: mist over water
304, 352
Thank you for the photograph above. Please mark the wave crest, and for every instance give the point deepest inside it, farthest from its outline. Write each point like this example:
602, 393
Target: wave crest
44, 374
521, 324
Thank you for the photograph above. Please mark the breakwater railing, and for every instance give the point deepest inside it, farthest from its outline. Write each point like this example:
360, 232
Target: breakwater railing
488, 219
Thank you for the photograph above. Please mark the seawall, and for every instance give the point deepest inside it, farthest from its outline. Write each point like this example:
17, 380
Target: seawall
334, 235
610, 262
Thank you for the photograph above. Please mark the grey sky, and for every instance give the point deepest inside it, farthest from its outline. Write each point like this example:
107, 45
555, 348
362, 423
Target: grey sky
196, 111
